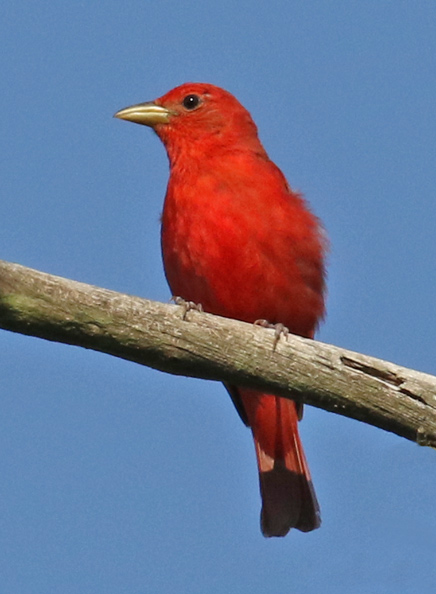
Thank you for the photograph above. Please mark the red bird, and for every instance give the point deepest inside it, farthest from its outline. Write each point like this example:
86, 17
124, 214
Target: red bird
237, 240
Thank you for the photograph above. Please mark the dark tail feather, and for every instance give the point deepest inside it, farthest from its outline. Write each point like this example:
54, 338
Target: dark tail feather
288, 501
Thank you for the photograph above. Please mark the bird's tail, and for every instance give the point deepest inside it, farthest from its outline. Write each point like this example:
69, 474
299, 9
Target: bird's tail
288, 497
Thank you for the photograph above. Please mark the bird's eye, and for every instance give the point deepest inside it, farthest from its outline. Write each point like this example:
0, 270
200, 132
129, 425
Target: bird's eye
191, 101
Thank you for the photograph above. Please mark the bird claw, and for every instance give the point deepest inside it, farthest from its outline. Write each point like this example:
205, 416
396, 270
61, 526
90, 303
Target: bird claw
279, 330
186, 305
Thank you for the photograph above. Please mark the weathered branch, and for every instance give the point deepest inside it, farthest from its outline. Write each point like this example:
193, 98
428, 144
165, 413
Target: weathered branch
154, 334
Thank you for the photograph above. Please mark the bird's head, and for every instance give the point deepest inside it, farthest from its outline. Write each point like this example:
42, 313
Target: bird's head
196, 117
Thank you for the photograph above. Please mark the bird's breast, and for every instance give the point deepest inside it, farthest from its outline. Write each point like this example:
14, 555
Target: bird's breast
244, 248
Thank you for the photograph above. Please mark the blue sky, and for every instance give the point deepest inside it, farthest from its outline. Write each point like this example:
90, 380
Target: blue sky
116, 478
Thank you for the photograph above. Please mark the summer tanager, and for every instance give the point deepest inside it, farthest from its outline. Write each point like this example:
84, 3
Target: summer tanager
237, 240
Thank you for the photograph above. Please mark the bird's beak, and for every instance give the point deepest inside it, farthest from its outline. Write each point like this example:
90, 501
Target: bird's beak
147, 114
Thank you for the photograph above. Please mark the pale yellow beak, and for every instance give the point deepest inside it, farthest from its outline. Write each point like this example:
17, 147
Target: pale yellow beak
147, 114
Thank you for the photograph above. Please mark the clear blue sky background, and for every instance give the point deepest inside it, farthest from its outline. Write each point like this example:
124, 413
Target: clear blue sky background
118, 479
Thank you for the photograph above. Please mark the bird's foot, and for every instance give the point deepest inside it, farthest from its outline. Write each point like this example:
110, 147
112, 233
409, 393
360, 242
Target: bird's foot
186, 305
279, 330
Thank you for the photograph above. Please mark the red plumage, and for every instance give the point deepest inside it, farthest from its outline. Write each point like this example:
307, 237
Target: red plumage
238, 240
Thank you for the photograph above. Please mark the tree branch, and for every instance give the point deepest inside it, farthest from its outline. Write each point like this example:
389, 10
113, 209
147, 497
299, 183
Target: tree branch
388, 396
